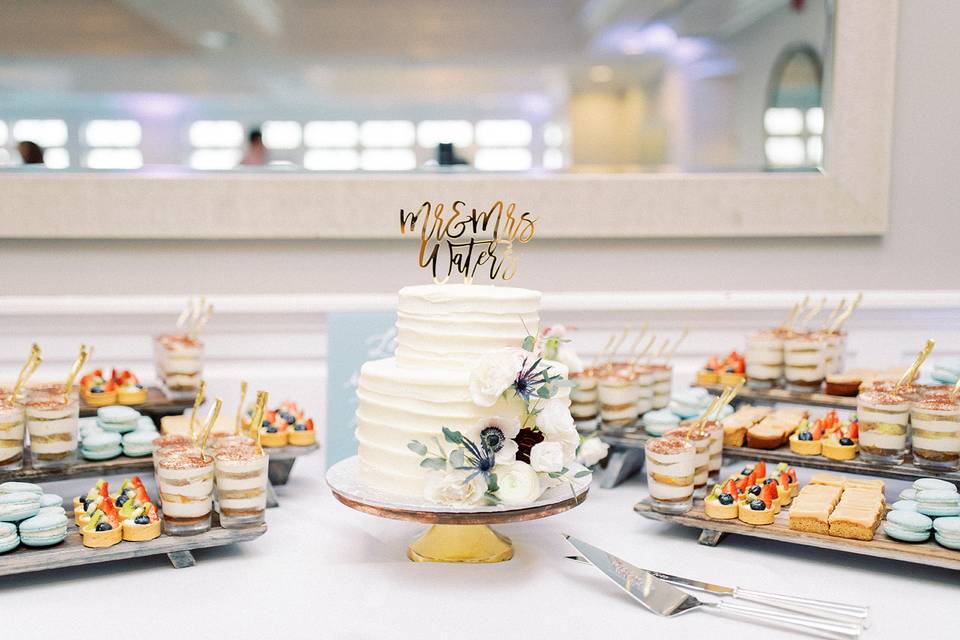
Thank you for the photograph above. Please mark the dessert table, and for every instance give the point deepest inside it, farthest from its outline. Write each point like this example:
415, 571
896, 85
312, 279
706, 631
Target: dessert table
335, 572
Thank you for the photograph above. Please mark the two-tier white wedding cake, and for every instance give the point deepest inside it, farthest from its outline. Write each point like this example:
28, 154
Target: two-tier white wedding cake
460, 350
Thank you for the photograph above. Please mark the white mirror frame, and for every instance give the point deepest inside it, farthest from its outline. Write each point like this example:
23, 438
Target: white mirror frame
850, 198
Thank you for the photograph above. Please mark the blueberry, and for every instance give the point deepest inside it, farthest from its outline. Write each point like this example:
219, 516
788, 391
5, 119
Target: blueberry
266, 423
725, 498
291, 419
141, 520
847, 442
83, 501
96, 389
746, 471
121, 499
271, 429
300, 427
104, 526
805, 435
755, 490
758, 505
768, 481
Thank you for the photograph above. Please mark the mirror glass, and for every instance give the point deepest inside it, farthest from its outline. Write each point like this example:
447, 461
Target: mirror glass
421, 85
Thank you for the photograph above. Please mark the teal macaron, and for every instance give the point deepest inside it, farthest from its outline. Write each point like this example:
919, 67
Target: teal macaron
145, 423
8, 537
905, 505
20, 487
117, 418
908, 526
947, 532
15, 507
43, 530
50, 500
938, 502
56, 509
908, 494
934, 484
139, 443
658, 422
101, 446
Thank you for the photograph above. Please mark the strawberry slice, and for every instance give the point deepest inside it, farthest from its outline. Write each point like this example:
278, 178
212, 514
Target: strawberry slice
110, 511
309, 424
151, 512
817, 431
792, 473
105, 491
742, 484
854, 430
761, 469
731, 488
785, 480
768, 494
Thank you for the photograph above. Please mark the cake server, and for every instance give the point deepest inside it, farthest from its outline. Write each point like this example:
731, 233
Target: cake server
806, 606
664, 599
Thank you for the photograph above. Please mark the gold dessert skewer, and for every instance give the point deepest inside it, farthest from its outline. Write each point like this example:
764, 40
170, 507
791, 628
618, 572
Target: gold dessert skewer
663, 347
814, 310
208, 424
185, 315
834, 314
204, 319
643, 352
258, 416
196, 405
698, 423
243, 396
676, 345
616, 347
636, 343
597, 359
728, 395
911, 373
74, 370
29, 367
797, 311
846, 314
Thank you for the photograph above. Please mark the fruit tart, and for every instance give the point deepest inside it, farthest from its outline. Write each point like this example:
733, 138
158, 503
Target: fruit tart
807, 440
274, 429
841, 443
98, 390
301, 432
85, 506
142, 524
758, 509
103, 529
721, 503
129, 389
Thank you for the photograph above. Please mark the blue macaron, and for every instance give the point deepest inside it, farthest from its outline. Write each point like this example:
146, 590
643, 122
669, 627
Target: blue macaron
8, 537
56, 509
658, 422
908, 494
908, 526
947, 532
117, 418
934, 484
15, 507
905, 505
43, 530
50, 500
139, 443
938, 502
145, 423
101, 446
20, 487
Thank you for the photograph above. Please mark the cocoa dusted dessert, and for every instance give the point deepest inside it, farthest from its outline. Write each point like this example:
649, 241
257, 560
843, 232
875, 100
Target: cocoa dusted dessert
936, 431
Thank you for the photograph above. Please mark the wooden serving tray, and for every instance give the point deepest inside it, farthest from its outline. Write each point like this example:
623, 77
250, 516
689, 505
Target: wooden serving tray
71, 551
156, 406
637, 437
769, 396
928, 553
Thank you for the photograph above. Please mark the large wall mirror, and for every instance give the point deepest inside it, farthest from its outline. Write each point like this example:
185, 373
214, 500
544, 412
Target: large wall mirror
592, 94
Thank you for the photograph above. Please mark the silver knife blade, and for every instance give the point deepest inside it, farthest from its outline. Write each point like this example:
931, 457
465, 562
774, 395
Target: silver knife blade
687, 582
653, 593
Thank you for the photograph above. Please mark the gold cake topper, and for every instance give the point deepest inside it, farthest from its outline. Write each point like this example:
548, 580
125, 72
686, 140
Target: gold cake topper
471, 239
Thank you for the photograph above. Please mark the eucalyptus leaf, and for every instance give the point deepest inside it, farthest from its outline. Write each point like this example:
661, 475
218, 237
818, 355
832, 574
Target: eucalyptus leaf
438, 464
492, 485
456, 458
582, 474
454, 437
528, 343
544, 392
417, 447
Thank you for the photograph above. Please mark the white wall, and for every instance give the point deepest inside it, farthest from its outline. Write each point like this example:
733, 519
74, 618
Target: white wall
919, 252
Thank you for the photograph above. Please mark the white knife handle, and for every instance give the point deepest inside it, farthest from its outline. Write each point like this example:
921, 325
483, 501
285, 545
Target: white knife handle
808, 606
830, 629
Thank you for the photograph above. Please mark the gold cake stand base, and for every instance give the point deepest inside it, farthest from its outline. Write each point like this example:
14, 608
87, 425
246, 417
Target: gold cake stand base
455, 535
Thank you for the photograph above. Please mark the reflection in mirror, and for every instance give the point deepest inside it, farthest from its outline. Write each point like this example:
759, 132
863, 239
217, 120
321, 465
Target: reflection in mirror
501, 85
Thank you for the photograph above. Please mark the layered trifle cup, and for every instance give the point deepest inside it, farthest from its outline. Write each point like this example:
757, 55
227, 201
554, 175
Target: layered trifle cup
12, 429
804, 358
241, 475
584, 398
883, 418
670, 470
764, 360
662, 385
700, 439
935, 432
179, 364
52, 422
619, 393
645, 381
715, 429
185, 479
171, 443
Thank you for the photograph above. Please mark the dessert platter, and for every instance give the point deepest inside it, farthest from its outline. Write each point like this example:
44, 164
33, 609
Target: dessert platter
468, 425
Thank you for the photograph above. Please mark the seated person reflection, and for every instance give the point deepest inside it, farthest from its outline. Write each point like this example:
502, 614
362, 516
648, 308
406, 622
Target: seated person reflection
256, 153
446, 157
30, 152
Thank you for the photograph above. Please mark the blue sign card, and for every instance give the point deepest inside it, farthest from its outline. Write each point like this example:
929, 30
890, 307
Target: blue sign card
352, 339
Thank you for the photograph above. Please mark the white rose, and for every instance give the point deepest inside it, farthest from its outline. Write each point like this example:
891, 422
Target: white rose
592, 451
451, 489
569, 358
569, 439
547, 457
493, 374
517, 483
554, 417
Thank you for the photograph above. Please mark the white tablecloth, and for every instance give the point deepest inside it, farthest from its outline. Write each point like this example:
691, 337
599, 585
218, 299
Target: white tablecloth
326, 571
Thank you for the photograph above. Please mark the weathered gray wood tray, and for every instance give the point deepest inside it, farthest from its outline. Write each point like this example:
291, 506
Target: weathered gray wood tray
156, 406
770, 396
71, 551
928, 553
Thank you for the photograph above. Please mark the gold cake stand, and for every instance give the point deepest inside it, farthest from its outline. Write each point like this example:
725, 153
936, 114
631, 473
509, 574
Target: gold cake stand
455, 535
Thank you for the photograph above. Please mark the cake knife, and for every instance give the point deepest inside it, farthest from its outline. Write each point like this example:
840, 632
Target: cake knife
806, 606
666, 600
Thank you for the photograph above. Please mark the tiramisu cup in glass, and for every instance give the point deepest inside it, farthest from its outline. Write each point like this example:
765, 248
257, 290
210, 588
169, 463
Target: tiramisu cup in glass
52, 424
12, 429
715, 429
241, 474
645, 382
670, 470
662, 385
179, 364
883, 417
619, 393
185, 479
170, 443
584, 400
804, 358
935, 432
701, 440
764, 360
